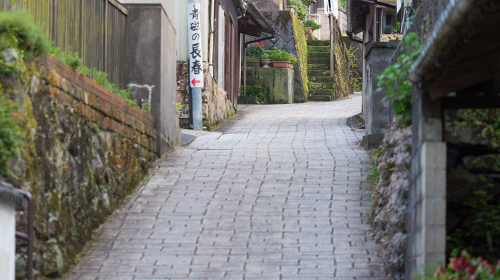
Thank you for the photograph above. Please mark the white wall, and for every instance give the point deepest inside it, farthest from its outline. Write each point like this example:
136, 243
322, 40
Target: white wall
7, 241
177, 13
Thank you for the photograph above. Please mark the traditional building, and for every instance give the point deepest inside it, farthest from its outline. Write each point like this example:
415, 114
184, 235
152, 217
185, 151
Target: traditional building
221, 23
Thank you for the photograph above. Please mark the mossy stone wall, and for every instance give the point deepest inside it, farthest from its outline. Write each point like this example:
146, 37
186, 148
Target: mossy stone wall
290, 38
83, 151
276, 83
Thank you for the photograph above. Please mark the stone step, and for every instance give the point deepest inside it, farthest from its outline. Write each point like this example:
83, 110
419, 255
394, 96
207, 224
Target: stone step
318, 66
323, 80
320, 98
318, 73
311, 49
318, 42
329, 92
323, 60
313, 85
324, 55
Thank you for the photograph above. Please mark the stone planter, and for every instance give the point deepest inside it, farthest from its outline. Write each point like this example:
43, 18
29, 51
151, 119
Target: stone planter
253, 63
266, 62
281, 64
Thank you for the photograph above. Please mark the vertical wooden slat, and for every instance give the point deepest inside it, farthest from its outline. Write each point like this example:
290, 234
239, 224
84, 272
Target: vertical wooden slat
96, 29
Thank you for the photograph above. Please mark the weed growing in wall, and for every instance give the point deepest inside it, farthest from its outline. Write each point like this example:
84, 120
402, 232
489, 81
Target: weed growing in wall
100, 77
68, 57
301, 9
356, 80
390, 178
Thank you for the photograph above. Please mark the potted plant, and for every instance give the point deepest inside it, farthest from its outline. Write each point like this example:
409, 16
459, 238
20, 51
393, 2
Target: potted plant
253, 54
309, 26
282, 59
265, 58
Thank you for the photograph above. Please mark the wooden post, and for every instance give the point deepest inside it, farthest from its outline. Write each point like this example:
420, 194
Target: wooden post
82, 31
106, 8
244, 93
332, 55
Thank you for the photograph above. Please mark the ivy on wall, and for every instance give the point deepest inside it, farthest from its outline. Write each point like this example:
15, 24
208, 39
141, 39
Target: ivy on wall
301, 46
395, 78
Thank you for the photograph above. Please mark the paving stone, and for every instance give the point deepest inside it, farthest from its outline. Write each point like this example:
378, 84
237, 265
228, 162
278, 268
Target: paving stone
277, 192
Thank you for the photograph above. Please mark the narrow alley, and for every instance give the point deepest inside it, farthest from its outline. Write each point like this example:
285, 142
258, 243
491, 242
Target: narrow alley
276, 192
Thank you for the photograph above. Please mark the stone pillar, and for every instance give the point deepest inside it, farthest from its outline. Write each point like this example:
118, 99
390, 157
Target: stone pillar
378, 118
426, 221
152, 75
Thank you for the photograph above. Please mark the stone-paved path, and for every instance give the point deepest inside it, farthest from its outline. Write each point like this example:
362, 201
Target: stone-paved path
277, 193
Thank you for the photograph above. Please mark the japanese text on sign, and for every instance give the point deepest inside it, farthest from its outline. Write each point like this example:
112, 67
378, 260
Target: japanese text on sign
195, 48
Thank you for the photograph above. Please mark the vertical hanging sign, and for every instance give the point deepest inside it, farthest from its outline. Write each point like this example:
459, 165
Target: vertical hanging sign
195, 50
335, 8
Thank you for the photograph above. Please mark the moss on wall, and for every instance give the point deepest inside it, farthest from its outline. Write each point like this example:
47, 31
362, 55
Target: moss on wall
301, 47
77, 172
343, 87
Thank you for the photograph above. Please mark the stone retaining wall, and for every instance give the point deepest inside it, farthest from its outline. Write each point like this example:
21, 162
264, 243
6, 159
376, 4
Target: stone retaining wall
83, 150
216, 104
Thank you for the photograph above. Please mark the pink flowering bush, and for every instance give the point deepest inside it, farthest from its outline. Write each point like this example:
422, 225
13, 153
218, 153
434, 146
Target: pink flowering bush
391, 180
465, 267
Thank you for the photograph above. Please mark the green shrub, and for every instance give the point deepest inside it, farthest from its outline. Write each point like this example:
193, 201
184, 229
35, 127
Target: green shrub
256, 91
19, 31
465, 267
253, 53
100, 77
9, 133
311, 24
68, 57
279, 55
395, 78
302, 10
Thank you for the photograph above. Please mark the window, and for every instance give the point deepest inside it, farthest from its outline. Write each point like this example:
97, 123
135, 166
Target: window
388, 20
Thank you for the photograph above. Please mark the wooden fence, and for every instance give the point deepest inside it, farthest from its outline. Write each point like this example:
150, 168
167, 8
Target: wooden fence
96, 29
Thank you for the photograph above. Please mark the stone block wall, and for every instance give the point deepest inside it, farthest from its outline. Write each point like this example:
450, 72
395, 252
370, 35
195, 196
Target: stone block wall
264, 5
290, 38
216, 103
426, 221
276, 83
83, 151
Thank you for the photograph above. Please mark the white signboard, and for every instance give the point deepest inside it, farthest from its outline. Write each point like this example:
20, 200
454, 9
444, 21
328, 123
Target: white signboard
335, 8
331, 6
195, 49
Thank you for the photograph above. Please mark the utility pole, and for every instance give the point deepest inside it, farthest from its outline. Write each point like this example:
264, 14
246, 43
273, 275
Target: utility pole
195, 53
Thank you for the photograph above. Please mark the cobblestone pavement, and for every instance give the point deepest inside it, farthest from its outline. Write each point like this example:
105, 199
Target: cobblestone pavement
275, 193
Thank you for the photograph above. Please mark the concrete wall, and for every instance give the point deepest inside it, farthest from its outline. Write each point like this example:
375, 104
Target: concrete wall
152, 68
378, 117
7, 238
324, 32
276, 83
426, 221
